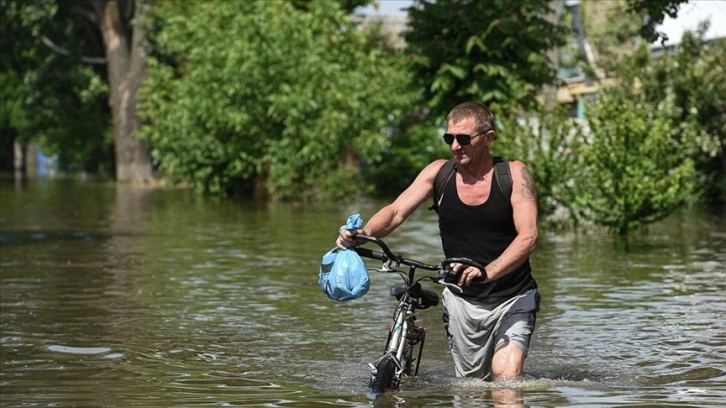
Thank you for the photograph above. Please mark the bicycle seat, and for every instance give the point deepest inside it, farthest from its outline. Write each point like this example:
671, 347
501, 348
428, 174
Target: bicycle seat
426, 297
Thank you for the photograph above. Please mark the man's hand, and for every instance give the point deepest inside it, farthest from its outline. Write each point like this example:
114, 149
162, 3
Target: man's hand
468, 274
346, 238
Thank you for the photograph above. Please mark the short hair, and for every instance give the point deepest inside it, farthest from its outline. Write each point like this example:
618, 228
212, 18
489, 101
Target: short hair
483, 117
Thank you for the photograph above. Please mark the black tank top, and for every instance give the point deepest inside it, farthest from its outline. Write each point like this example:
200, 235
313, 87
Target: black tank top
482, 232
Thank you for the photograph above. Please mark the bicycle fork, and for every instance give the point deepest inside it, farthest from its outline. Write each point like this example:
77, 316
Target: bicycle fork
411, 336
400, 340
396, 346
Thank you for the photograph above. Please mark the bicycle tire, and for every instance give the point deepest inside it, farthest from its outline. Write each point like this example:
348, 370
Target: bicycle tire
384, 374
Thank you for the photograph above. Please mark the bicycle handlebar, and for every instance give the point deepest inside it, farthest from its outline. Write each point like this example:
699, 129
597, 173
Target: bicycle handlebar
387, 255
466, 261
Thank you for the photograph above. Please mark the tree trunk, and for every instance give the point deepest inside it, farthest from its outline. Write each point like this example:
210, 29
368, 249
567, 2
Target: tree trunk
19, 163
126, 69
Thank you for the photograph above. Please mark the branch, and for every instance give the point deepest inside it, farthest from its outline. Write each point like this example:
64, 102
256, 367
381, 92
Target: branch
62, 51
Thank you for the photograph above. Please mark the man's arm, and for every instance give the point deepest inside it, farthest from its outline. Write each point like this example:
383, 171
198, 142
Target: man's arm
524, 207
391, 216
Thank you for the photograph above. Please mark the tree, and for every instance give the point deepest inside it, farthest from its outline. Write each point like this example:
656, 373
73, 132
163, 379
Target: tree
653, 12
124, 34
612, 31
51, 60
50, 97
615, 28
263, 96
632, 169
548, 141
693, 73
348, 6
490, 51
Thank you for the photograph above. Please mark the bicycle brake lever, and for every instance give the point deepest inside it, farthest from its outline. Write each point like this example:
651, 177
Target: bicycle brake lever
384, 268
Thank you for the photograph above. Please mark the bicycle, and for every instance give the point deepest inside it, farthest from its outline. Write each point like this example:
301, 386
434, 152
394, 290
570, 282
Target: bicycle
397, 361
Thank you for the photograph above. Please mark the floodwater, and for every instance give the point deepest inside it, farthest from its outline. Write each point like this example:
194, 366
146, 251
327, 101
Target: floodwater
151, 298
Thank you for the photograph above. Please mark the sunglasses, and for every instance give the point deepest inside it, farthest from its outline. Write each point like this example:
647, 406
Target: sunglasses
463, 139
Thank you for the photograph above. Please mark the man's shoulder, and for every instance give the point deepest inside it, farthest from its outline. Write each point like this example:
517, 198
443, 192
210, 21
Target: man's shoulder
511, 162
433, 168
517, 168
516, 164
439, 163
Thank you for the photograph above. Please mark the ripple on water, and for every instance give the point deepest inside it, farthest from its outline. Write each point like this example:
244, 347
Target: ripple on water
683, 374
79, 350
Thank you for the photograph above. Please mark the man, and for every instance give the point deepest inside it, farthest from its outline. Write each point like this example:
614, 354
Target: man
489, 325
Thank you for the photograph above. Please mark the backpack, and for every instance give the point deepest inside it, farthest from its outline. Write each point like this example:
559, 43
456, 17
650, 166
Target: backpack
443, 177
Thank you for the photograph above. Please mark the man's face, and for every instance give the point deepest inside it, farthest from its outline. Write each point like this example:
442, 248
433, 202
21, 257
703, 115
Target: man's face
457, 133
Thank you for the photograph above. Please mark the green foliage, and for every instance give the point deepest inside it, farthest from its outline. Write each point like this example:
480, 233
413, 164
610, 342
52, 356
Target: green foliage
494, 52
20, 23
694, 74
653, 13
633, 171
548, 142
615, 27
47, 97
260, 93
348, 6
612, 31
412, 146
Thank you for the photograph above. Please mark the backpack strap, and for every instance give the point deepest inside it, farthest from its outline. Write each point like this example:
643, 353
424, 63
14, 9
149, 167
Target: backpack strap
502, 175
443, 177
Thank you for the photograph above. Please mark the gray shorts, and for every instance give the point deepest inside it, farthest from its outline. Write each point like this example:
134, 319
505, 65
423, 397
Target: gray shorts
476, 329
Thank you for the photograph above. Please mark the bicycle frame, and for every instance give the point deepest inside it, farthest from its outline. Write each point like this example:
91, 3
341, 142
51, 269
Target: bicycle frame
404, 333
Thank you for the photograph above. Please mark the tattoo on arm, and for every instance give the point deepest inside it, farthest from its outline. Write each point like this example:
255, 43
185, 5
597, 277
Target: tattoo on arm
527, 190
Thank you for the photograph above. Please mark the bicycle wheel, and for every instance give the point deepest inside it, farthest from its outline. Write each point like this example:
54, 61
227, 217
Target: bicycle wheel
384, 374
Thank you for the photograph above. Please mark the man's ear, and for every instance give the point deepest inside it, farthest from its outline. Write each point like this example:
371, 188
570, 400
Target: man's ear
490, 136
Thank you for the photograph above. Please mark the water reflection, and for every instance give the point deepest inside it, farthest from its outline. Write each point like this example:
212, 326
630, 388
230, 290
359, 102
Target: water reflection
113, 296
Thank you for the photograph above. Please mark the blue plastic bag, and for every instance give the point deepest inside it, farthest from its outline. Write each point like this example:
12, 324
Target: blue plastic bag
343, 275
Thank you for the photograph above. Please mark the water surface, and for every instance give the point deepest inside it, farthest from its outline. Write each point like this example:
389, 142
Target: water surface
132, 297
